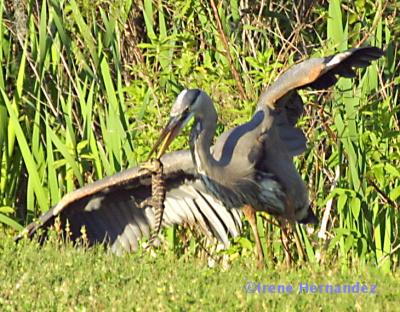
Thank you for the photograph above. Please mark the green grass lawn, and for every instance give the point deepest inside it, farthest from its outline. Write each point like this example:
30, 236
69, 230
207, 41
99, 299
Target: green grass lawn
55, 277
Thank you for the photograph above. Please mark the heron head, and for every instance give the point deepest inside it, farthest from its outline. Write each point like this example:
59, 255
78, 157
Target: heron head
190, 102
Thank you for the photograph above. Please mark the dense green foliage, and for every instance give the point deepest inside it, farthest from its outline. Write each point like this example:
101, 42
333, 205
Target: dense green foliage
84, 88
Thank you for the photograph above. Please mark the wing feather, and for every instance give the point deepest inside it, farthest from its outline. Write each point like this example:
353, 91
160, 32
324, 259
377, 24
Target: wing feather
317, 73
215, 223
224, 215
110, 208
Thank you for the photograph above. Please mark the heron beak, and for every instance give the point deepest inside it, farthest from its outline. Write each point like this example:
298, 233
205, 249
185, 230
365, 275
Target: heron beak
168, 134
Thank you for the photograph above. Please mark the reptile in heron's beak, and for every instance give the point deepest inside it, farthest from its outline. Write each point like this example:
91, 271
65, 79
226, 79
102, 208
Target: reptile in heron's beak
169, 133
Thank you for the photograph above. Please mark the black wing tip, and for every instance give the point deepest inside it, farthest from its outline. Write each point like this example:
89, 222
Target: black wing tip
30, 230
373, 53
372, 49
370, 52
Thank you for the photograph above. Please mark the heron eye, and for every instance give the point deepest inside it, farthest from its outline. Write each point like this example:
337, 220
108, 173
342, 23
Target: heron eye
187, 110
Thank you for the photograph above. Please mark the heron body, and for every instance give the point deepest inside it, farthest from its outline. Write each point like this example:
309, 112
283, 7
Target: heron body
240, 171
252, 164
243, 169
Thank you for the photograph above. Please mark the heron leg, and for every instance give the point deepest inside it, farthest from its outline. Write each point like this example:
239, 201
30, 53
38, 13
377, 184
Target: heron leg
250, 214
285, 241
300, 249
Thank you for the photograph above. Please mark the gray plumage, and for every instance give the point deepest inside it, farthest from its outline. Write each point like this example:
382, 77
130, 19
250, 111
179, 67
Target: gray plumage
110, 210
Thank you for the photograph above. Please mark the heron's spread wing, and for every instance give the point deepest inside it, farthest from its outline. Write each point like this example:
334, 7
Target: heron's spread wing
317, 73
109, 209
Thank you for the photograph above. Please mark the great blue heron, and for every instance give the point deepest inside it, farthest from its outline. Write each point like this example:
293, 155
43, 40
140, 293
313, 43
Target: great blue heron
250, 165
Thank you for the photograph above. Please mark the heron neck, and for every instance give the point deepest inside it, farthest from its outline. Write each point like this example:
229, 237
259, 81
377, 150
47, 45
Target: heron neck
203, 132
